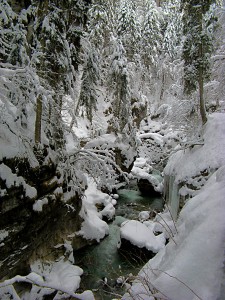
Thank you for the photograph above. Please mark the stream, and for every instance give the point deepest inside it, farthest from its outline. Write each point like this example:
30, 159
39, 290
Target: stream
102, 263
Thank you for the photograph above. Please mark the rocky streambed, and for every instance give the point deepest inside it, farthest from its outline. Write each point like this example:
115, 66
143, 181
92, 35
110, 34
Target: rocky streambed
107, 269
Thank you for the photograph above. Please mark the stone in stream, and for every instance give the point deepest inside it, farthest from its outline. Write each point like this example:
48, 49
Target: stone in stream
134, 253
146, 188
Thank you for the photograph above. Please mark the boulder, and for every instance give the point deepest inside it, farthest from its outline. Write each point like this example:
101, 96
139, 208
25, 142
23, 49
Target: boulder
147, 188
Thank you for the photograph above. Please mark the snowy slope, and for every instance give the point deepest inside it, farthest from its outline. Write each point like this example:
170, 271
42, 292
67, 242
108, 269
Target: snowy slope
210, 155
191, 266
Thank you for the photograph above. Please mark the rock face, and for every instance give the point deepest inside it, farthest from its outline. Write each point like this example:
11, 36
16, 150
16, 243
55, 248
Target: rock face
32, 223
121, 159
146, 188
134, 253
34, 217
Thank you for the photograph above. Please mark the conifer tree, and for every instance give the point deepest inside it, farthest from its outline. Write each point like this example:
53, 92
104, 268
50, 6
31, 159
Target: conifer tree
98, 22
128, 28
197, 47
90, 77
57, 40
119, 79
19, 87
172, 28
151, 34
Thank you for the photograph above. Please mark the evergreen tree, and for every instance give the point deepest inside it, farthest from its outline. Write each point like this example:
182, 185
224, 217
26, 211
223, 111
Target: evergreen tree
151, 34
20, 82
128, 27
57, 41
172, 28
119, 79
7, 34
197, 47
40, 43
98, 22
90, 77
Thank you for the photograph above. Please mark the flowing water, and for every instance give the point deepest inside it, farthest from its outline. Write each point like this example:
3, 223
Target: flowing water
102, 263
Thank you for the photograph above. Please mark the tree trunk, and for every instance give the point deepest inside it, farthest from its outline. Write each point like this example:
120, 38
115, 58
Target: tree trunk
38, 120
201, 97
201, 75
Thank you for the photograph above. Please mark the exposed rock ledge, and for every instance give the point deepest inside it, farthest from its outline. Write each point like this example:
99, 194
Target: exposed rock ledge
33, 216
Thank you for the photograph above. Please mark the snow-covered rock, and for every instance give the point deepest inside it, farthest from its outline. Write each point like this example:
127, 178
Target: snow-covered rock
149, 181
93, 227
192, 266
188, 170
141, 236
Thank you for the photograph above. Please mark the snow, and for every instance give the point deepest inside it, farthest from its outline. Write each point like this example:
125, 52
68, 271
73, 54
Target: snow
93, 227
38, 205
143, 215
109, 210
104, 141
142, 170
156, 137
46, 277
194, 265
191, 265
141, 236
61, 275
3, 234
15, 141
12, 179
213, 148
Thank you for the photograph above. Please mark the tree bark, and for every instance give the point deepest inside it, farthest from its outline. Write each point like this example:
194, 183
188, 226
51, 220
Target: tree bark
201, 75
38, 120
201, 97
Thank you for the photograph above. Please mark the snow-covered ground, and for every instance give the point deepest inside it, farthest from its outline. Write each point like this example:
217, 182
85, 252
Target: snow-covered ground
209, 155
62, 275
45, 278
191, 266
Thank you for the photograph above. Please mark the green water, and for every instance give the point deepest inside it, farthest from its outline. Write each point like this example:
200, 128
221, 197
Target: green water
103, 260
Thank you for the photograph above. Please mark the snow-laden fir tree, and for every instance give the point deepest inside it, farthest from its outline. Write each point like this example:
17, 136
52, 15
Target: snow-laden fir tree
98, 22
18, 79
7, 35
119, 84
57, 34
199, 23
151, 35
172, 28
89, 80
128, 27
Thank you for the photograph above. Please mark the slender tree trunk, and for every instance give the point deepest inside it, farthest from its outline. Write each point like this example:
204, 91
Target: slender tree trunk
201, 97
38, 120
201, 75
162, 88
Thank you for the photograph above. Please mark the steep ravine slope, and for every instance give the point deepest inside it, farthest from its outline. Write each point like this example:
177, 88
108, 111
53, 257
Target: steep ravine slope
191, 266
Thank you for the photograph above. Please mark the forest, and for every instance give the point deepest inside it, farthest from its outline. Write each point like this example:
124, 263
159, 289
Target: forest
112, 149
